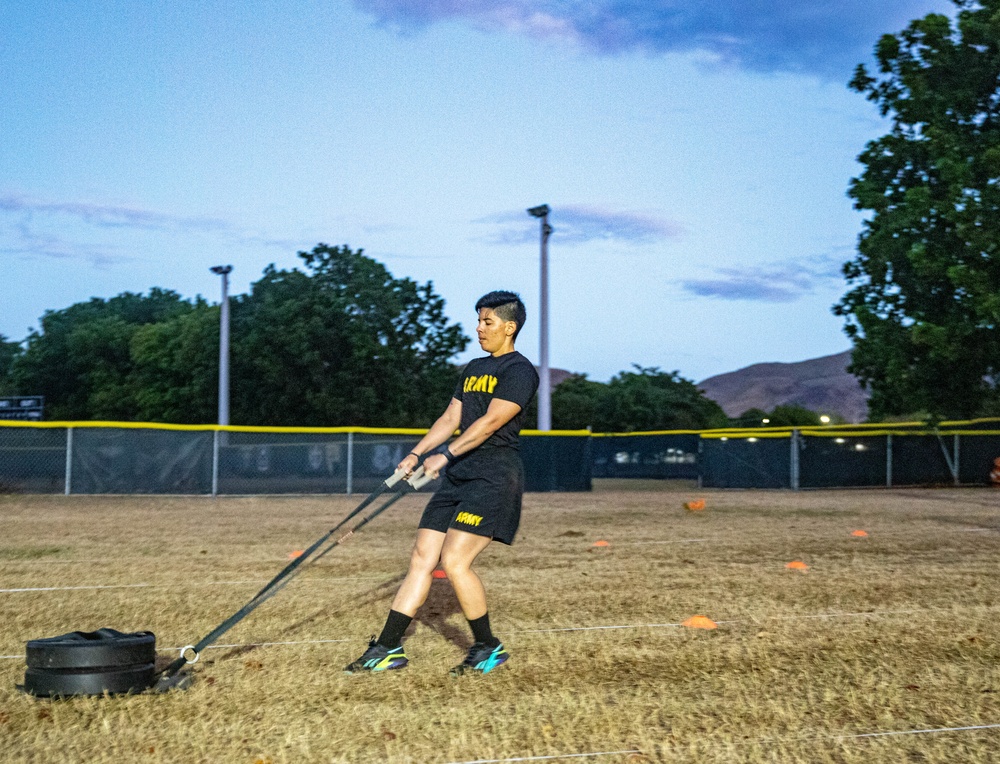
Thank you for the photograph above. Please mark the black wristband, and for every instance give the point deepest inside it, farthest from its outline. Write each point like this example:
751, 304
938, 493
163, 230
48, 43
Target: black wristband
449, 455
414, 453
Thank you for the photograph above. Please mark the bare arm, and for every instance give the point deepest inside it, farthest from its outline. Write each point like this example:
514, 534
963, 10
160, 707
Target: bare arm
497, 415
439, 432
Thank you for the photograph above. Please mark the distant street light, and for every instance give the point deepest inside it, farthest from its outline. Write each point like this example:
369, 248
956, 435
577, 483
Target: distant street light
224, 271
544, 383
824, 419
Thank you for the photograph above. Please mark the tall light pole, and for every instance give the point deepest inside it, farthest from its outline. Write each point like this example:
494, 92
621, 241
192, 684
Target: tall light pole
544, 383
224, 271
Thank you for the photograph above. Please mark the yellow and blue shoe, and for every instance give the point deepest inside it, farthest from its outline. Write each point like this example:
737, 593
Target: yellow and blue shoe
378, 658
482, 659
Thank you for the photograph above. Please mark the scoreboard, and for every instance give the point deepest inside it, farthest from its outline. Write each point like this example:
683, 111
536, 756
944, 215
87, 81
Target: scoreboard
29, 407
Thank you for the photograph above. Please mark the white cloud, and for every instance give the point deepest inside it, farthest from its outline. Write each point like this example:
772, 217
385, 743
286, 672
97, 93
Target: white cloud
827, 38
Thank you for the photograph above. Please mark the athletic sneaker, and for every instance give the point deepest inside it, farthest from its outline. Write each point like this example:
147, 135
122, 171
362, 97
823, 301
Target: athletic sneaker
378, 658
482, 659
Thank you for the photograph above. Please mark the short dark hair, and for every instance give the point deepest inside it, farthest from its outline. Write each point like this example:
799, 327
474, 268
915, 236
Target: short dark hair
507, 305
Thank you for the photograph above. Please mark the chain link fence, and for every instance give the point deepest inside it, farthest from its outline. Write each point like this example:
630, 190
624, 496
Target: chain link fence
954, 453
125, 458
656, 455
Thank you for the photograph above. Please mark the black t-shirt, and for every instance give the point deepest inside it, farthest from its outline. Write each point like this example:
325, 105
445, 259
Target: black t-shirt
509, 377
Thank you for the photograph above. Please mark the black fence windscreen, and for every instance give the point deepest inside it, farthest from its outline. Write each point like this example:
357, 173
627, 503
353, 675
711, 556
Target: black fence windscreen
153, 459
978, 457
921, 460
556, 462
832, 462
274, 463
111, 460
32, 460
745, 462
165, 460
269, 463
645, 456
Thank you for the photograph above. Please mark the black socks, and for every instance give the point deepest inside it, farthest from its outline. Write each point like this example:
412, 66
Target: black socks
481, 631
392, 632
396, 623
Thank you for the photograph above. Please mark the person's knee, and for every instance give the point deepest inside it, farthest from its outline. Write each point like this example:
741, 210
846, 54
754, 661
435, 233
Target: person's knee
454, 562
423, 557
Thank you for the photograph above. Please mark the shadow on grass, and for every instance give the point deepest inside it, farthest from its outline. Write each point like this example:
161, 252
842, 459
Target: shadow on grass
382, 591
441, 604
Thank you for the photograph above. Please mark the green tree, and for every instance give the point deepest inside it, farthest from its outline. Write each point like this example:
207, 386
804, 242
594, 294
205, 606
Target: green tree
574, 403
343, 343
8, 352
80, 359
175, 367
752, 417
791, 415
644, 399
923, 308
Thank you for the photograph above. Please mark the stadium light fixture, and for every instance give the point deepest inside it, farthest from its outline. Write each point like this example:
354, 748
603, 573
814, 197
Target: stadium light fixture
824, 419
544, 383
224, 271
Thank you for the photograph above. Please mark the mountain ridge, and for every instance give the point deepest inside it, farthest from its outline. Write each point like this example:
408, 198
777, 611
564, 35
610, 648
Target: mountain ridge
820, 384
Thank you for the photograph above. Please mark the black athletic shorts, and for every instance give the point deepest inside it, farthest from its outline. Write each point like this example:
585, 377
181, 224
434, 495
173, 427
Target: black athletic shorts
481, 494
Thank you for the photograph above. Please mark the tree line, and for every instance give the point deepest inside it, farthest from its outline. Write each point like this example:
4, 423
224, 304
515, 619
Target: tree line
337, 342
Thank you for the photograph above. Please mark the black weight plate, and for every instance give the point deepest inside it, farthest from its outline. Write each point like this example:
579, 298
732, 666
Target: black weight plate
104, 648
64, 683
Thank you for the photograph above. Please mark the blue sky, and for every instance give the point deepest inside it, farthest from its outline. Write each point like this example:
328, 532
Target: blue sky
696, 156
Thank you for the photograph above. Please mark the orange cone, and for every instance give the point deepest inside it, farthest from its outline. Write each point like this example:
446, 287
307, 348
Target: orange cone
797, 565
700, 622
859, 533
696, 505
602, 543
296, 553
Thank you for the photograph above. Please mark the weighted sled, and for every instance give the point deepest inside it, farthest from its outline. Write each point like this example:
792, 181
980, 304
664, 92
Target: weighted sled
90, 663
80, 649
90, 681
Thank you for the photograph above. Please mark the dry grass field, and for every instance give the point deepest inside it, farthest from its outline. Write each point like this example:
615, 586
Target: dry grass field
876, 653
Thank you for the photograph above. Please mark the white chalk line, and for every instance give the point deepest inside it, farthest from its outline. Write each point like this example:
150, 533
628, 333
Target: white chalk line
766, 618
849, 615
267, 644
15, 561
916, 732
600, 628
931, 731
670, 541
72, 561
184, 585
549, 758
880, 534
73, 588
